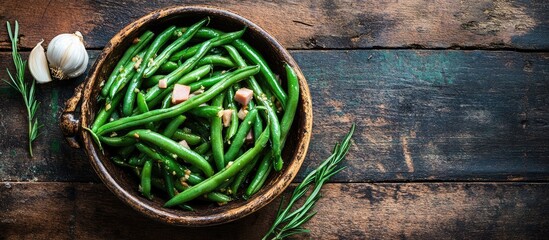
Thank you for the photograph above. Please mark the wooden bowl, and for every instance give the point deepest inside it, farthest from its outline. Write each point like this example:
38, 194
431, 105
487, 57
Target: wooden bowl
125, 186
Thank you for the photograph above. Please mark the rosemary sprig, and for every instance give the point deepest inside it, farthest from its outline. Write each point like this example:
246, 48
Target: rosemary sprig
19, 84
288, 222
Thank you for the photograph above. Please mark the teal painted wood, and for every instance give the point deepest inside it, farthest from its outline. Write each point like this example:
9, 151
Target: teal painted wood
421, 116
431, 115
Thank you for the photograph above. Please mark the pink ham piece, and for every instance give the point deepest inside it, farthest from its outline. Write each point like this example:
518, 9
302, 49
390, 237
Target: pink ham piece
184, 144
180, 93
226, 116
242, 113
243, 96
249, 138
163, 83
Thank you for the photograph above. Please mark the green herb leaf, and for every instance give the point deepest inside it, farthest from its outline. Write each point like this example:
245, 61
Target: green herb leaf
288, 222
18, 83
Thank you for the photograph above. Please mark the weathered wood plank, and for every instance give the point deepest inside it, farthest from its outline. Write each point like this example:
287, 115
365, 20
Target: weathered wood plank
313, 24
372, 211
54, 160
421, 115
432, 115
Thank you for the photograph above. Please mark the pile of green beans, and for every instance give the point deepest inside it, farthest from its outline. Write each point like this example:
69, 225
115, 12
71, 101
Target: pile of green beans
144, 131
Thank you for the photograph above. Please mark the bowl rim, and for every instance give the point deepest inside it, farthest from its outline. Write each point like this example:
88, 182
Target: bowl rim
255, 203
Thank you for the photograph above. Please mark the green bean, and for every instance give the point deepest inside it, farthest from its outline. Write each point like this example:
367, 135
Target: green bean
220, 39
263, 101
189, 78
203, 148
173, 125
166, 102
216, 132
146, 179
214, 181
171, 165
169, 182
216, 60
126, 74
293, 98
242, 175
224, 187
122, 141
258, 124
211, 196
174, 46
152, 81
135, 83
141, 103
143, 108
128, 55
187, 66
206, 111
266, 72
253, 56
291, 107
240, 136
199, 128
207, 82
218, 197
204, 32
257, 129
261, 175
168, 67
207, 33
160, 114
105, 113
173, 148
233, 126
191, 139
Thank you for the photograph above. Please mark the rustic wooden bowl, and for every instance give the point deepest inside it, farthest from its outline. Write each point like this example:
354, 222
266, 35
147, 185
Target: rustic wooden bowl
81, 108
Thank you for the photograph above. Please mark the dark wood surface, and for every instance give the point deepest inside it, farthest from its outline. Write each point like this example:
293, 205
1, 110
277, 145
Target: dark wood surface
313, 24
66, 210
452, 141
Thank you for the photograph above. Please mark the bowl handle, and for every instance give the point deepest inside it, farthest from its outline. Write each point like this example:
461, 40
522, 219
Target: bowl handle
70, 118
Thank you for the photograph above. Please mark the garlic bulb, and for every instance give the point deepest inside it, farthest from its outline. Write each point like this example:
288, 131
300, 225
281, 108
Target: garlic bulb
67, 55
38, 65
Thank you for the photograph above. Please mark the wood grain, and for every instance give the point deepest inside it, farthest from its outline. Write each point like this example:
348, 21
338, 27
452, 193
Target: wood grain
421, 116
312, 24
54, 160
372, 211
431, 115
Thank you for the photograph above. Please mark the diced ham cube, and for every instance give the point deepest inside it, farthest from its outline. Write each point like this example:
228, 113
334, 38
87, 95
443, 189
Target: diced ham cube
242, 113
250, 137
226, 116
163, 83
184, 144
243, 96
180, 93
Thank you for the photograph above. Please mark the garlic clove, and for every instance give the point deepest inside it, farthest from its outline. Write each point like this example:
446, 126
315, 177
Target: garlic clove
38, 64
67, 55
83, 66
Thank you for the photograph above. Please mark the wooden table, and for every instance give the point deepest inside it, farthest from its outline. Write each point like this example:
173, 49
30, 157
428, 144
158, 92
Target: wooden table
450, 98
